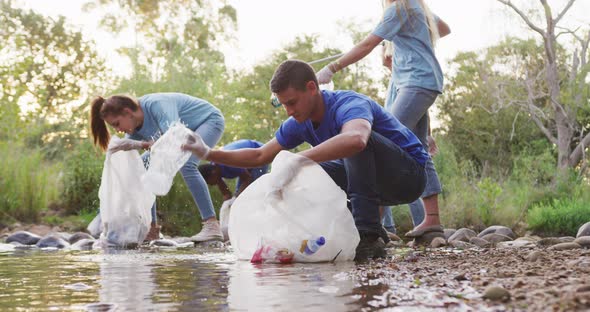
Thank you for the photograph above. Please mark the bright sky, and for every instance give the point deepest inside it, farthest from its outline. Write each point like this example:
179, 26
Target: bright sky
266, 25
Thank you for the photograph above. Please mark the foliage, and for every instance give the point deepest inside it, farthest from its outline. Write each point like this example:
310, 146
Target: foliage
559, 216
28, 184
82, 175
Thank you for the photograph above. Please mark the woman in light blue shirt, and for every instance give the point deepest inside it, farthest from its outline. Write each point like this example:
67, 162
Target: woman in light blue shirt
144, 120
416, 81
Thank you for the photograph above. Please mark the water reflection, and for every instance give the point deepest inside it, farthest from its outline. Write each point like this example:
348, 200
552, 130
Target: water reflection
314, 287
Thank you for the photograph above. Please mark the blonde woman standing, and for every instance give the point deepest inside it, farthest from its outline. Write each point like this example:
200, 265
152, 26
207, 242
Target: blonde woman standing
416, 81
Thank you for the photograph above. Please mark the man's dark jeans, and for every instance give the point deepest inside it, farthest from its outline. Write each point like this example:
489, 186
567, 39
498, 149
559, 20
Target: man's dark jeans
380, 175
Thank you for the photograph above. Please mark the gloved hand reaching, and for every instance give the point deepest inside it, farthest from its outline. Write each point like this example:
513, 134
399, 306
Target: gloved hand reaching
126, 145
196, 145
324, 75
284, 172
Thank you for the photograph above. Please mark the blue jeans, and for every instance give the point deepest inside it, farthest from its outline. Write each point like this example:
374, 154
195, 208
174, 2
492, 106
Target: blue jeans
211, 131
410, 106
381, 174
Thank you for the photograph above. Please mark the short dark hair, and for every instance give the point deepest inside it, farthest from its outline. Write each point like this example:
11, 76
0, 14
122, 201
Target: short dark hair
206, 170
292, 73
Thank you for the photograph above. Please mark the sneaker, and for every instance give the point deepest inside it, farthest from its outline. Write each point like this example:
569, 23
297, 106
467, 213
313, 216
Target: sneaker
154, 233
371, 246
211, 231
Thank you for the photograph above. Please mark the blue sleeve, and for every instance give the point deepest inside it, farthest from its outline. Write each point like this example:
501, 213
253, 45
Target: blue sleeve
164, 114
287, 135
391, 23
356, 108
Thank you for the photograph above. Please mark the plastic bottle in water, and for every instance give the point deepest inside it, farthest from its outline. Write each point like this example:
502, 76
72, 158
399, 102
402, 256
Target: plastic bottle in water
310, 246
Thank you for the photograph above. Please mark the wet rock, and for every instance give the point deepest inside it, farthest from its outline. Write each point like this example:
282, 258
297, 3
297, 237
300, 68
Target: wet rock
549, 241
16, 244
79, 236
565, 246
496, 293
449, 233
211, 244
497, 229
479, 242
461, 244
583, 241
427, 238
52, 240
516, 244
463, 235
496, 238
584, 230
181, 240
66, 236
438, 242
23, 237
534, 256
567, 239
163, 243
83, 244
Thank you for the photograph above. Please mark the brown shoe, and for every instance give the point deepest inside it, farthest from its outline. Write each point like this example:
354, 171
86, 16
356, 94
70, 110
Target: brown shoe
154, 233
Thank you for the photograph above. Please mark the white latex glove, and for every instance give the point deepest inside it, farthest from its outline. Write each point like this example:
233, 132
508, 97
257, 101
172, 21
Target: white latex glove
282, 173
196, 145
324, 75
125, 145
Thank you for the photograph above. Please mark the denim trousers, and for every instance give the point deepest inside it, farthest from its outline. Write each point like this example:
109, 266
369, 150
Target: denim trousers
211, 131
381, 174
410, 106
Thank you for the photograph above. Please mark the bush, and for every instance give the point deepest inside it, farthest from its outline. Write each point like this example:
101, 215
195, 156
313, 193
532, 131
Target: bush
561, 216
28, 184
83, 171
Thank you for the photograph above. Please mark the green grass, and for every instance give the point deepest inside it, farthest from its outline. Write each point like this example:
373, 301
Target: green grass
559, 216
28, 184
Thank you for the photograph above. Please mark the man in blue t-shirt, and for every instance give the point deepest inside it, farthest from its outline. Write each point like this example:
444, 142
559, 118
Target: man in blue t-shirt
215, 173
365, 150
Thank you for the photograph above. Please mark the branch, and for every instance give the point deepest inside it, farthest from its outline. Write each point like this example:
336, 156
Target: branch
579, 151
524, 17
537, 121
565, 9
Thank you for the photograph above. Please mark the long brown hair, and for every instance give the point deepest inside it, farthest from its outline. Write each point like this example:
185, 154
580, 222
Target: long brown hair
100, 108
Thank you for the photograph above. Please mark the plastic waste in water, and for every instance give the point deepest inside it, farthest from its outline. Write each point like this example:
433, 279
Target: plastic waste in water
310, 246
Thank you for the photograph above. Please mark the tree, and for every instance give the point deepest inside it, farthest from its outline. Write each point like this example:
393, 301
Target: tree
555, 101
48, 69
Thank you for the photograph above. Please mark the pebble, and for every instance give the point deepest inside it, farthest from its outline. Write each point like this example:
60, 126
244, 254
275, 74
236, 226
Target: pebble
79, 236
479, 242
52, 240
584, 230
565, 246
463, 234
496, 238
427, 238
83, 244
461, 244
583, 241
497, 229
438, 242
23, 237
516, 244
534, 256
449, 233
496, 293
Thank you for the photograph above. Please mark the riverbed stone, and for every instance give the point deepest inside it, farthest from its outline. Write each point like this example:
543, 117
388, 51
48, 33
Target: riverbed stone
438, 242
496, 293
479, 242
463, 234
79, 236
534, 256
583, 241
516, 244
163, 243
23, 237
449, 233
549, 241
495, 238
567, 239
461, 244
584, 230
565, 246
52, 240
532, 239
497, 229
83, 244
427, 238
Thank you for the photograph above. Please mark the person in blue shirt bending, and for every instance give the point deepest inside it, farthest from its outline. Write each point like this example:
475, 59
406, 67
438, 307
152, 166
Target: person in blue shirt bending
215, 173
143, 121
365, 150
416, 81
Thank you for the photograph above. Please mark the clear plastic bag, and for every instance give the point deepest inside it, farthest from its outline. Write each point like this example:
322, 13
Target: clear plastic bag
166, 158
125, 204
311, 206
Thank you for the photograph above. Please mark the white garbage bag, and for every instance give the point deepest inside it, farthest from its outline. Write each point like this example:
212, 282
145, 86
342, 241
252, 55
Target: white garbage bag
312, 211
224, 213
166, 158
125, 204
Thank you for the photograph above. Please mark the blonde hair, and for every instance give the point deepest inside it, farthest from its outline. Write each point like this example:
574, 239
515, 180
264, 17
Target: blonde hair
403, 5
